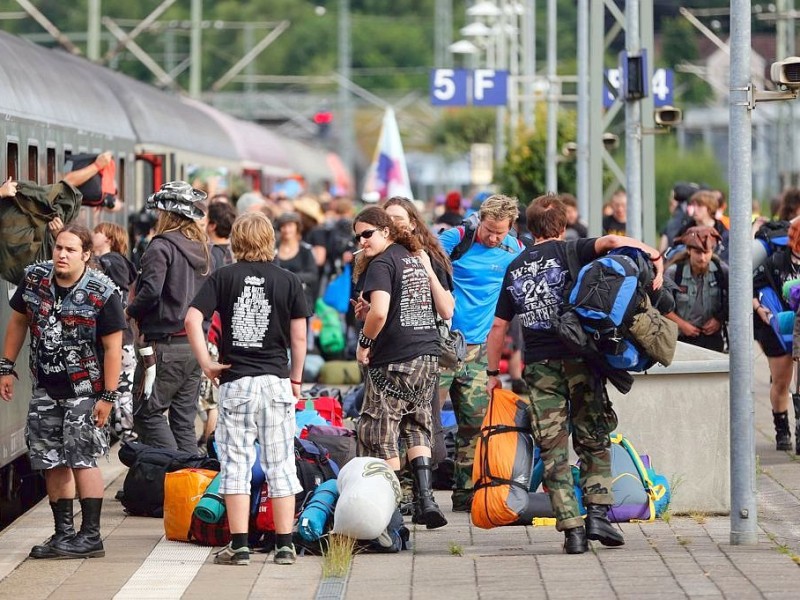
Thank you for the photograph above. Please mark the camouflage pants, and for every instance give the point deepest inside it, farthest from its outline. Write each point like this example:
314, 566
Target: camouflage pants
562, 396
61, 433
468, 393
122, 415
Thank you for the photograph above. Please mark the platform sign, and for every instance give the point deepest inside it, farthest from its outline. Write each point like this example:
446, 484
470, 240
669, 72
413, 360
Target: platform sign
460, 87
662, 87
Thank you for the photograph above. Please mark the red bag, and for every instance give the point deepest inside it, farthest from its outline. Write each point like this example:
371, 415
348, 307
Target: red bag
328, 408
264, 520
209, 534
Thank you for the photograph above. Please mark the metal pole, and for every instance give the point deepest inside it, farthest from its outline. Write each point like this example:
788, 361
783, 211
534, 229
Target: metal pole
552, 100
195, 69
583, 108
347, 135
597, 49
528, 62
93, 31
744, 526
633, 131
648, 141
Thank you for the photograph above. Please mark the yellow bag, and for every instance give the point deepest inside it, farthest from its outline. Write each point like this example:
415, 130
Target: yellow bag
182, 491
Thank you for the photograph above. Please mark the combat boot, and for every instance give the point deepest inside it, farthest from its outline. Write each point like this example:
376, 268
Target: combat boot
87, 543
575, 540
599, 528
783, 436
425, 508
65, 529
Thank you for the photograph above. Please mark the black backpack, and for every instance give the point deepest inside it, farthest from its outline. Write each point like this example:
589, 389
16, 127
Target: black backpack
143, 489
468, 230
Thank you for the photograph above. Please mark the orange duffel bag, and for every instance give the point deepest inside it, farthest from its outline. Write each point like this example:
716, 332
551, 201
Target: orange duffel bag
182, 491
503, 464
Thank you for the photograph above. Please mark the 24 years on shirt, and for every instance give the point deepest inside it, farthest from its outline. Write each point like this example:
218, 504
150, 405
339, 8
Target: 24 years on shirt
533, 288
410, 329
256, 302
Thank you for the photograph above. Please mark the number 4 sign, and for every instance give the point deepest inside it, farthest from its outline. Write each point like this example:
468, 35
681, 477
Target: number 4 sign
661, 87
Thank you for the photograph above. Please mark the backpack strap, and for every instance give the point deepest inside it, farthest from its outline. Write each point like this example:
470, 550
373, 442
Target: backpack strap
467, 237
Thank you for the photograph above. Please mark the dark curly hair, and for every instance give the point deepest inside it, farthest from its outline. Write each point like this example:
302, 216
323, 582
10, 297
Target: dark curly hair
377, 217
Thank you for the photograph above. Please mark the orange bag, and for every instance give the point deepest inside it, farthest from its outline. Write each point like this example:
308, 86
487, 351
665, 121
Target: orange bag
503, 463
182, 491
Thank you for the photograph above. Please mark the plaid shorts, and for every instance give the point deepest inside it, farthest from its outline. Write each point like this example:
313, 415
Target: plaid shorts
397, 402
61, 433
257, 408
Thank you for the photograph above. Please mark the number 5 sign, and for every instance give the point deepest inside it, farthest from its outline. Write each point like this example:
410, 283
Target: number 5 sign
457, 87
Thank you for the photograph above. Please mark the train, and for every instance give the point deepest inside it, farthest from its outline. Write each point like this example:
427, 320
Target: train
53, 105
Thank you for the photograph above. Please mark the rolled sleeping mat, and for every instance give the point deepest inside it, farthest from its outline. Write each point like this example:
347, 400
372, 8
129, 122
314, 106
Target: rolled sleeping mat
211, 507
318, 511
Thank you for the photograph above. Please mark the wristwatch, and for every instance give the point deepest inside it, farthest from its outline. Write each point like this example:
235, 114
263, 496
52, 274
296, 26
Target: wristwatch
493, 372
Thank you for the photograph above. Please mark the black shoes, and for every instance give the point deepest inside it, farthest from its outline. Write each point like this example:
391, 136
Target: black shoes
599, 528
425, 508
575, 540
65, 530
783, 436
87, 543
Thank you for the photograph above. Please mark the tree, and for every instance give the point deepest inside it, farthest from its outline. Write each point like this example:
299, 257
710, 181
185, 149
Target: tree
679, 44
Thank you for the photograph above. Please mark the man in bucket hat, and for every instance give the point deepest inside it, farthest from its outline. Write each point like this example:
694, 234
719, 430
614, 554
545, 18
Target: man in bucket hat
174, 266
701, 289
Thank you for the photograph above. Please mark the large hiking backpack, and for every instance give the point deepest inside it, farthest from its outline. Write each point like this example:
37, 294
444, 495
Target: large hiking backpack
503, 465
640, 494
773, 236
143, 489
100, 189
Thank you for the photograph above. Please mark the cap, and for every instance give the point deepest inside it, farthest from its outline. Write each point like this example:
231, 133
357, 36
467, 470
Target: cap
453, 200
683, 191
700, 238
180, 198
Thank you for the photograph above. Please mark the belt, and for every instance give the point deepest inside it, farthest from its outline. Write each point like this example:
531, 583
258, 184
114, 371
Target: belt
171, 339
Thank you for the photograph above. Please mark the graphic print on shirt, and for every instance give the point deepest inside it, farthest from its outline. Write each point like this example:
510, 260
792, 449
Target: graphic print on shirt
537, 288
50, 356
251, 313
416, 304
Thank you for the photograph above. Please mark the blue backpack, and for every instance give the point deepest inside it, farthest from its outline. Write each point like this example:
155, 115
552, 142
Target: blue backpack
605, 295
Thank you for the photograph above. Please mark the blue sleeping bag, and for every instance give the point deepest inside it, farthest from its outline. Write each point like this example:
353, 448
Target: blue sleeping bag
311, 525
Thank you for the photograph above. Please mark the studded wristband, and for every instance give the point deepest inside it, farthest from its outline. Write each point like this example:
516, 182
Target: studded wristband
364, 341
109, 396
7, 368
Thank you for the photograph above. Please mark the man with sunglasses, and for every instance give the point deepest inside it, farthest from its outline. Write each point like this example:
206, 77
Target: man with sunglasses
477, 276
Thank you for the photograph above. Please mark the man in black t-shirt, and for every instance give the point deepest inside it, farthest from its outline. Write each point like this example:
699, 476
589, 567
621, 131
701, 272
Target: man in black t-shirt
263, 312
75, 319
616, 222
566, 397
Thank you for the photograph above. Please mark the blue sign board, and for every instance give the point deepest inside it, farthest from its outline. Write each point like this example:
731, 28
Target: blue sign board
662, 87
459, 87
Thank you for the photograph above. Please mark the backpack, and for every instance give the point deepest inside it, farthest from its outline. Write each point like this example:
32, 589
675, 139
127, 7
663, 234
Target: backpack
331, 335
468, 232
503, 466
143, 488
773, 236
781, 320
98, 190
639, 493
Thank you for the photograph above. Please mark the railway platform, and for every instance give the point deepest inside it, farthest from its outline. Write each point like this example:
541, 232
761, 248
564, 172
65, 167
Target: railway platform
684, 556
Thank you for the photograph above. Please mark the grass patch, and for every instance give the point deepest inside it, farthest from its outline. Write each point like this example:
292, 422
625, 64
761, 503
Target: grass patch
684, 541
337, 555
456, 549
675, 483
699, 517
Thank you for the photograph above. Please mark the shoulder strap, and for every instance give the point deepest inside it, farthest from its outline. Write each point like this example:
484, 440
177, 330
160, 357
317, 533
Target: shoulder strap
467, 238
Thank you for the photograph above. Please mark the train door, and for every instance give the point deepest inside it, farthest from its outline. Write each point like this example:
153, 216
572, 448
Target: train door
151, 168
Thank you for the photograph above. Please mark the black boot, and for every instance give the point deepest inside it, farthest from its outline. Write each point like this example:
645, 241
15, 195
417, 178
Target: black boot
65, 530
575, 540
599, 528
796, 402
425, 508
783, 437
87, 543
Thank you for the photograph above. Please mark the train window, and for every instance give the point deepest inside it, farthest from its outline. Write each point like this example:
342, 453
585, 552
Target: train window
121, 180
51, 165
12, 161
33, 163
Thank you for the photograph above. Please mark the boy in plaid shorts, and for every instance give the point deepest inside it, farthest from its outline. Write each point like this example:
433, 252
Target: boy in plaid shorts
263, 311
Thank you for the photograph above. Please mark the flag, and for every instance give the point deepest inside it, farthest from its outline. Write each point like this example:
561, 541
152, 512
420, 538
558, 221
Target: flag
388, 174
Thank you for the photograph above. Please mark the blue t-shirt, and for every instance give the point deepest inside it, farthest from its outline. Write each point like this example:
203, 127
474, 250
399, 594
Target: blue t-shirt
477, 277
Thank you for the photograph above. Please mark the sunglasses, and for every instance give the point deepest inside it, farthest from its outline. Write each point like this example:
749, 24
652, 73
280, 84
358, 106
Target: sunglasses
366, 234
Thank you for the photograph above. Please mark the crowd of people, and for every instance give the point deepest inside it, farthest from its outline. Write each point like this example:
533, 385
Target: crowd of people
210, 311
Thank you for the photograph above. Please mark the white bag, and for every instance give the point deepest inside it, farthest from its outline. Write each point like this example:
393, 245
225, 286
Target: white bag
369, 493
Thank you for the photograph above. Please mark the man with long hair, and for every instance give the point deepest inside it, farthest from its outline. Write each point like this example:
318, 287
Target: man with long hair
174, 266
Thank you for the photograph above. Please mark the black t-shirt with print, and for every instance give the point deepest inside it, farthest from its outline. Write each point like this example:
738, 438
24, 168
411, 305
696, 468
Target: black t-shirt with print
613, 227
410, 329
256, 302
533, 288
51, 367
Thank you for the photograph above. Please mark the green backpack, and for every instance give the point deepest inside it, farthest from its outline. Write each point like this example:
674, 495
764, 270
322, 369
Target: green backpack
331, 335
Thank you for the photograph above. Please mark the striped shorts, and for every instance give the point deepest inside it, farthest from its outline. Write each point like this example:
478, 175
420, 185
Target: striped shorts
257, 408
397, 402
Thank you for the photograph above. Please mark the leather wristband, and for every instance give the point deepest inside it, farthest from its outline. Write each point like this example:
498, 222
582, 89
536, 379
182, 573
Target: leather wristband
109, 396
493, 372
7, 368
364, 341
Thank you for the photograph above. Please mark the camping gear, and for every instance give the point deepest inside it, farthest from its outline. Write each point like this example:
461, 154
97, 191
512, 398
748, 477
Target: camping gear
182, 491
639, 493
313, 521
369, 493
340, 372
211, 507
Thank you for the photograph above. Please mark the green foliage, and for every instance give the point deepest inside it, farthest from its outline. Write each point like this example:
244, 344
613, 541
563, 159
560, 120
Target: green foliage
678, 45
674, 164
458, 128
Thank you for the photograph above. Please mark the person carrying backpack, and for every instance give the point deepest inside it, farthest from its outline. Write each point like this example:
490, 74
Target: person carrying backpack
566, 396
701, 290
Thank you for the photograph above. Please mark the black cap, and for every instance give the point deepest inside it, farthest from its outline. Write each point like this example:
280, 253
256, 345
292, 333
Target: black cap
683, 191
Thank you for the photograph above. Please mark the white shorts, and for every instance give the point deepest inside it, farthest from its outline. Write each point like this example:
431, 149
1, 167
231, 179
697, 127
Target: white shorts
257, 408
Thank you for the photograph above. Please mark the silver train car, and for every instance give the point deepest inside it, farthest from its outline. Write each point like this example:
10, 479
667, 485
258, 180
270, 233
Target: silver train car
54, 105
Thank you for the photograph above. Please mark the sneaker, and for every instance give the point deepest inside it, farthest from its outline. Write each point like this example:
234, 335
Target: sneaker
229, 556
285, 555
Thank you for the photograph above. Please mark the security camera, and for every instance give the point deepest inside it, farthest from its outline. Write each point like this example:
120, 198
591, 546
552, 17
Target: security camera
786, 72
569, 150
610, 141
667, 116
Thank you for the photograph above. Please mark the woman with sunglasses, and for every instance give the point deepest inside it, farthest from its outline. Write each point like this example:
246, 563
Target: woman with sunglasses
399, 351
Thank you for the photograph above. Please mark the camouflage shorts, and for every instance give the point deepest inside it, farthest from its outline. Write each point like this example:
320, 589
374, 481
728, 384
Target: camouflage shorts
209, 393
61, 433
